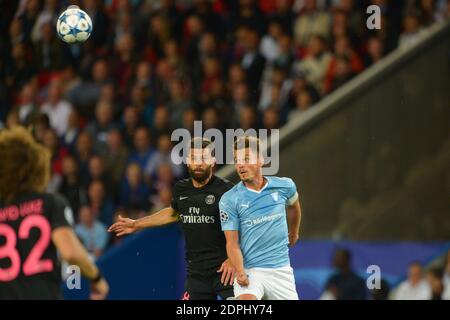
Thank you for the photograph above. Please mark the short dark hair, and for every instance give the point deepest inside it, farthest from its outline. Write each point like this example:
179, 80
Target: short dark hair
247, 142
196, 142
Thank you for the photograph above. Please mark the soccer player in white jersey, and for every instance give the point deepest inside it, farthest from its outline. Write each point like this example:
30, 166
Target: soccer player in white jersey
258, 229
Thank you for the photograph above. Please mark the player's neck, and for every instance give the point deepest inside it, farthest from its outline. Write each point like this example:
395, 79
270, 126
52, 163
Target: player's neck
198, 184
256, 184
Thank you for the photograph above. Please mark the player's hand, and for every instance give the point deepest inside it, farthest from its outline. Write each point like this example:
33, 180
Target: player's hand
228, 272
123, 226
242, 279
99, 289
293, 238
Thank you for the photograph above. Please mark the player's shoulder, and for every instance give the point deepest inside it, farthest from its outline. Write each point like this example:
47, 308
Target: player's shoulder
280, 181
182, 184
231, 194
223, 183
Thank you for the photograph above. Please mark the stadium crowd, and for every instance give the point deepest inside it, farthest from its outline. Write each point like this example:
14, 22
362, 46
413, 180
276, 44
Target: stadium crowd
106, 108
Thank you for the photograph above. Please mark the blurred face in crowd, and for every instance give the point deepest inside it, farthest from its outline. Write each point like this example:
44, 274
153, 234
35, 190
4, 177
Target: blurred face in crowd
303, 100
375, 48
210, 118
142, 140
114, 140
18, 51
342, 46
171, 48
161, 118
211, 67
54, 93
240, 92
107, 93
51, 140
236, 74
415, 274
165, 196
176, 90
410, 24
208, 44
15, 29
134, 175
316, 46
164, 174
27, 94
96, 192
104, 113
69, 166
86, 216
189, 117
100, 71
342, 67
284, 43
194, 25
164, 144
200, 163
96, 167
310, 5
143, 71
248, 162
271, 119
84, 143
247, 118
131, 117
275, 30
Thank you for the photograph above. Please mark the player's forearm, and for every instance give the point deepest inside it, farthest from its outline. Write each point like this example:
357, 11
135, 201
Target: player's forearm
162, 217
294, 217
235, 255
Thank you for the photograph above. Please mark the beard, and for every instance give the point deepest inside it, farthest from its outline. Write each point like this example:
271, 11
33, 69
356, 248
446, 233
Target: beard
200, 177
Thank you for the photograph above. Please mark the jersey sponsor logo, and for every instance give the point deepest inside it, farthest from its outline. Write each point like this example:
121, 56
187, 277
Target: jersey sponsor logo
195, 219
269, 218
210, 199
274, 196
223, 216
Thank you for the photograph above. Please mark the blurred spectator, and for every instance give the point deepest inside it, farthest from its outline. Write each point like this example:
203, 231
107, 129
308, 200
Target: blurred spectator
101, 206
446, 277
415, 287
27, 107
57, 109
375, 51
143, 150
58, 154
271, 119
345, 284
131, 122
98, 172
98, 129
92, 233
434, 278
161, 121
303, 102
315, 65
178, 102
311, 22
411, 31
116, 156
47, 15
162, 155
247, 118
134, 193
49, 54
71, 184
73, 129
83, 151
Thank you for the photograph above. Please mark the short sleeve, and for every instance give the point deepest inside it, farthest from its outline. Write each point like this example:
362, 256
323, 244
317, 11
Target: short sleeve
61, 213
229, 218
290, 191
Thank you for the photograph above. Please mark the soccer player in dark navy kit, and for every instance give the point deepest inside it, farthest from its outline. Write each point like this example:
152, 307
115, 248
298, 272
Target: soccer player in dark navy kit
35, 225
195, 204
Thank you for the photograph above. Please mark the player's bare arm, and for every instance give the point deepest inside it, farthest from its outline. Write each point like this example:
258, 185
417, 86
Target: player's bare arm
73, 252
228, 272
126, 225
235, 255
294, 215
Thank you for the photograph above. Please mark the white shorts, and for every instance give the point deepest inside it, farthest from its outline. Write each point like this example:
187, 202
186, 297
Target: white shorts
269, 284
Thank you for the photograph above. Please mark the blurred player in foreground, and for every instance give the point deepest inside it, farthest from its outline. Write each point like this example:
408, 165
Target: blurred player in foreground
195, 204
35, 225
258, 229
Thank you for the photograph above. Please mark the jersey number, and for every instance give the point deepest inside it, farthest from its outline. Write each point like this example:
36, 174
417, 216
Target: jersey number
33, 264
